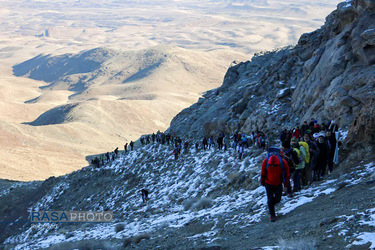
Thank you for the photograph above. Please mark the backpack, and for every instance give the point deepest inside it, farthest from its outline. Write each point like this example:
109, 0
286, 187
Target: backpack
277, 152
306, 146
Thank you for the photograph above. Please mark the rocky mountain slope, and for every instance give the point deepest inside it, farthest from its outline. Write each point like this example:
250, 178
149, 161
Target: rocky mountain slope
328, 75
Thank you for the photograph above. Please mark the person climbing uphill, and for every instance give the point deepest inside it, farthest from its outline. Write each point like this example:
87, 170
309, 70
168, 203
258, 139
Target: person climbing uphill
301, 166
291, 157
274, 173
144, 193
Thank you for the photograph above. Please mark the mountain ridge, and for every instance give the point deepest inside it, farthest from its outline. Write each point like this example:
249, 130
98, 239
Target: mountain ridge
327, 75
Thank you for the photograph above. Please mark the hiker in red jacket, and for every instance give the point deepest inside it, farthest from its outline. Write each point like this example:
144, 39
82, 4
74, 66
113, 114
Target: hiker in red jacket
273, 175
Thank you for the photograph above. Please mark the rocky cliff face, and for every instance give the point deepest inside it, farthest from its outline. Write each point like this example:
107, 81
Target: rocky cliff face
329, 74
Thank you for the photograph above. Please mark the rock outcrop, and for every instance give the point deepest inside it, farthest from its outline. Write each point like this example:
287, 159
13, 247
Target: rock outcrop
329, 74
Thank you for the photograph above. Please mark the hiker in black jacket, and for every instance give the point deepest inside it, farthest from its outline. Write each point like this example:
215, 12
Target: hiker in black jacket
144, 193
291, 158
314, 152
322, 160
204, 143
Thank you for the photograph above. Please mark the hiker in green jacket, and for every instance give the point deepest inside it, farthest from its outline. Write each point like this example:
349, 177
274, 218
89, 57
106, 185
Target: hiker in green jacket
300, 167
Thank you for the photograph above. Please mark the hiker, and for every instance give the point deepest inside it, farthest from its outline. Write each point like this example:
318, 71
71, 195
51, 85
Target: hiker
314, 152
220, 142
168, 138
306, 178
304, 128
283, 136
291, 157
296, 133
312, 123
257, 139
211, 143
126, 147
107, 157
239, 151
176, 153
302, 156
244, 141
289, 135
333, 127
322, 160
262, 141
144, 193
275, 172
253, 138
204, 143
186, 147
225, 143
236, 138
116, 151
102, 159
153, 137
96, 162
331, 137
131, 144
316, 126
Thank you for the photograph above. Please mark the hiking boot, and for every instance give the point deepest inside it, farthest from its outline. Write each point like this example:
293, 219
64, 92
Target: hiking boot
273, 218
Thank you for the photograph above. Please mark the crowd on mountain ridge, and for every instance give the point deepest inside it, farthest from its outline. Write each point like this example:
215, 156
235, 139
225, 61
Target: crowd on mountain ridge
302, 158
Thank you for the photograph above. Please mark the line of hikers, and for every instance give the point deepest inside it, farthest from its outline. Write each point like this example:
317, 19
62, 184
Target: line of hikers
303, 157
239, 142
160, 137
99, 161
105, 158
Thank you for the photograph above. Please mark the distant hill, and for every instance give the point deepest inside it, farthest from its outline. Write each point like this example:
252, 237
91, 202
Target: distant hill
98, 99
131, 71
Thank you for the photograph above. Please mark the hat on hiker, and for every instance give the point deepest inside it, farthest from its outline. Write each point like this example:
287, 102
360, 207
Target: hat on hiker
273, 160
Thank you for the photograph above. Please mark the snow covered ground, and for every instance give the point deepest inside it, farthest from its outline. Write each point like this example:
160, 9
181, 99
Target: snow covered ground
198, 186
